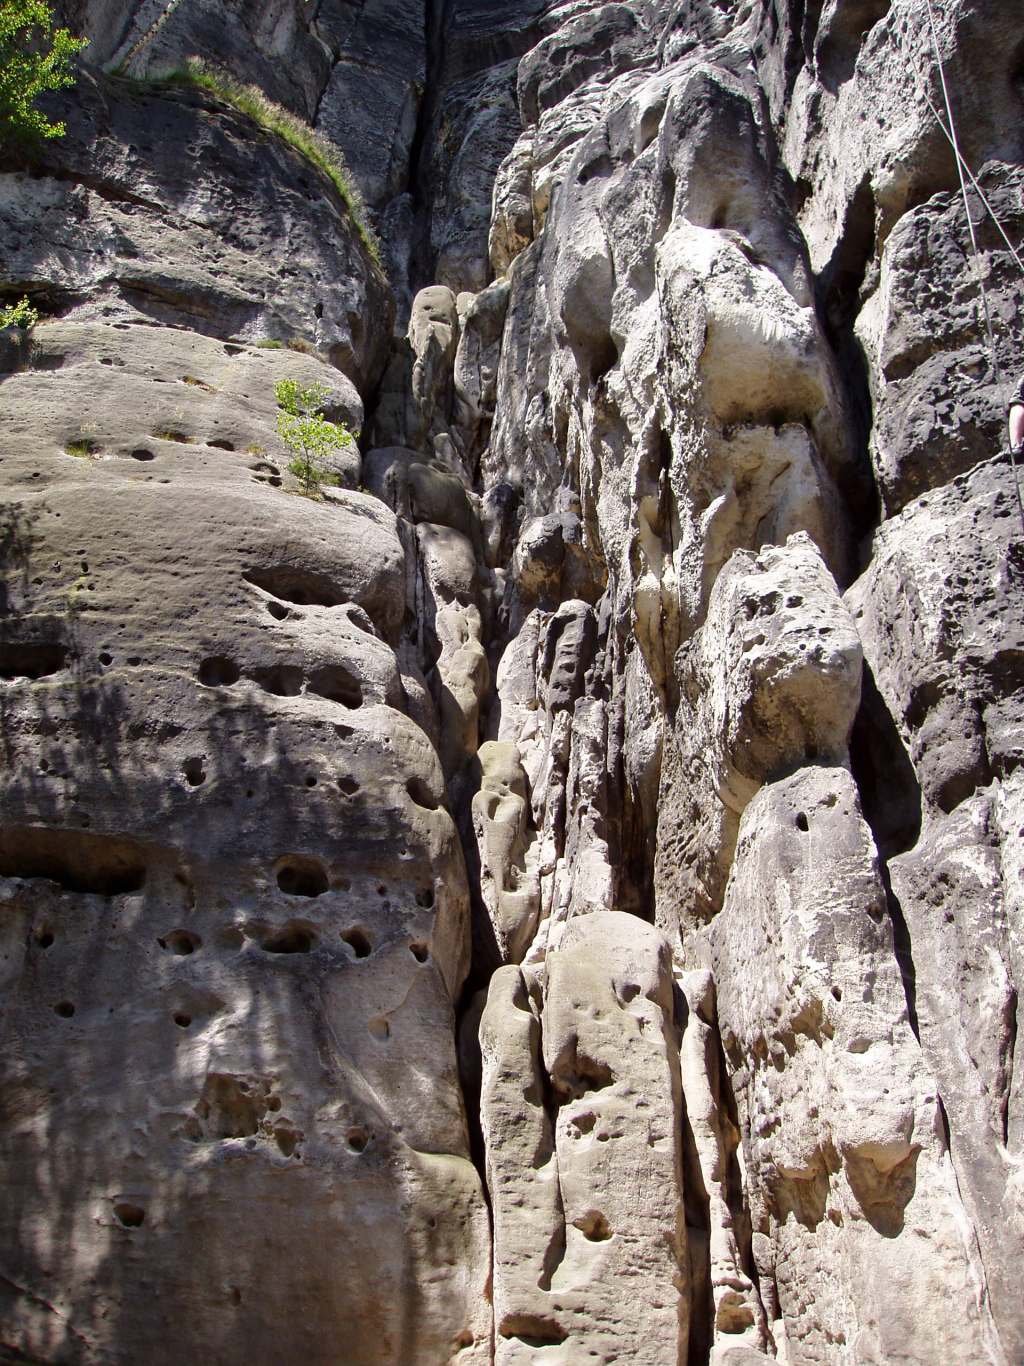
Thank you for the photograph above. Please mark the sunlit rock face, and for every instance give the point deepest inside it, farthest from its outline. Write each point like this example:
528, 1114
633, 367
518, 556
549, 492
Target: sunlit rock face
550, 892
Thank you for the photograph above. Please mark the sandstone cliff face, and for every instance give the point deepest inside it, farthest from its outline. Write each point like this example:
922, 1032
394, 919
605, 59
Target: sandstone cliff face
556, 896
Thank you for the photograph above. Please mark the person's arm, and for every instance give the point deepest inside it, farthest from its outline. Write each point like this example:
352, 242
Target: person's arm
1016, 426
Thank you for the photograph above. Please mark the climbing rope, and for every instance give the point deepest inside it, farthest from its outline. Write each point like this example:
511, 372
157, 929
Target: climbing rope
963, 171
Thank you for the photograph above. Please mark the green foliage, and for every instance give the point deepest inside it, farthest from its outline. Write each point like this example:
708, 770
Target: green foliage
298, 134
310, 438
21, 314
84, 449
269, 345
27, 68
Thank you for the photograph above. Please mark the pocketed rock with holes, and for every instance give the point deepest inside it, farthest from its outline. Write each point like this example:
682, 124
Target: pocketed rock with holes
235, 913
581, 1114
543, 719
771, 679
938, 610
857, 1222
509, 882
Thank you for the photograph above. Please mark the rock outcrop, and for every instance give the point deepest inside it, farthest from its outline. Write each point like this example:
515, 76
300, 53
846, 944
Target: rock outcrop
552, 892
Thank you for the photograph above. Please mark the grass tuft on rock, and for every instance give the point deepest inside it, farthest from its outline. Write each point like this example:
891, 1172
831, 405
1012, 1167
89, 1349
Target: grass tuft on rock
247, 99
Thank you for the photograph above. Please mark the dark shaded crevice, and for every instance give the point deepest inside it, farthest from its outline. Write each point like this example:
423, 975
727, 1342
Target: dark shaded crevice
836, 51
838, 290
697, 1217
889, 791
1012, 1007
890, 797
903, 949
470, 1068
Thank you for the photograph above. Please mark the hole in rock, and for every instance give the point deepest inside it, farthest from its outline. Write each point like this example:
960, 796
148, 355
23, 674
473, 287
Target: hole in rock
131, 1216
594, 1226
182, 1020
801, 822
134, 661
294, 937
379, 1028
65, 1009
358, 942
297, 585
425, 897
286, 1139
141, 453
532, 1330
230, 1107
221, 445
344, 732
181, 943
106, 659
337, 684
584, 1124
630, 992
837, 993
310, 780
349, 786
98, 864
233, 350
277, 611
31, 661
218, 672
358, 1139
284, 680
230, 937
419, 951
421, 794
300, 876
605, 356
44, 937
194, 773
382, 889
274, 1103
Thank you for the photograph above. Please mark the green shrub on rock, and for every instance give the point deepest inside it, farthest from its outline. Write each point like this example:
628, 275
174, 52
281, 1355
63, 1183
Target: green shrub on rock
21, 314
310, 438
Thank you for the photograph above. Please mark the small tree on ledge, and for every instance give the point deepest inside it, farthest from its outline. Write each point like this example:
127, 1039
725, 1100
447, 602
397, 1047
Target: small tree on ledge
310, 438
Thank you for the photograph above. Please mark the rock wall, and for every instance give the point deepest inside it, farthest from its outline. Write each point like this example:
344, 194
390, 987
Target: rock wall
555, 895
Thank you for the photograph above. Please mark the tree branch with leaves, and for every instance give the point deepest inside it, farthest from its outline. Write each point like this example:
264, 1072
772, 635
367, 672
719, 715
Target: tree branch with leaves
310, 438
31, 63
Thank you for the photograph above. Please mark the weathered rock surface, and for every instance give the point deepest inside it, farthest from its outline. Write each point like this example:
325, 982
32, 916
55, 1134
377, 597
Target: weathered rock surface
939, 407
236, 906
509, 907
855, 1200
771, 680
162, 207
591, 1183
938, 610
959, 893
